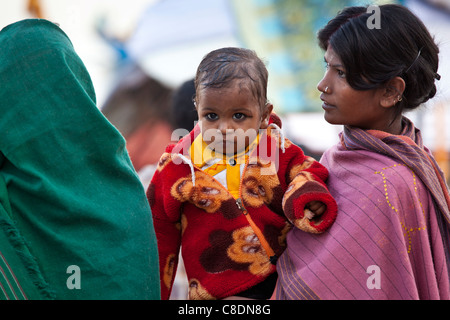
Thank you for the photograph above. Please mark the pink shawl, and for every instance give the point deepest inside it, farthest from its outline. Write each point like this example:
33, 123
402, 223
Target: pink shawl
391, 236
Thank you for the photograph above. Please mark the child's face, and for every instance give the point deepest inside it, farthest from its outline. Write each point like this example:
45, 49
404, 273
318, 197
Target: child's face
347, 106
231, 117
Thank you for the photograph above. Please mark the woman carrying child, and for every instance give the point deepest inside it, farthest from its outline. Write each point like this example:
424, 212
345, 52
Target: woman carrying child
391, 236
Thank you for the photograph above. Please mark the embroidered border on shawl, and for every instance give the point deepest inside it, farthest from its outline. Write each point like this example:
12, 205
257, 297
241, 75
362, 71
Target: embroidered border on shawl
407, 230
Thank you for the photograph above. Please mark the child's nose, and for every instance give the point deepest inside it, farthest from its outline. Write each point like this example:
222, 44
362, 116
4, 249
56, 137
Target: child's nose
225, 127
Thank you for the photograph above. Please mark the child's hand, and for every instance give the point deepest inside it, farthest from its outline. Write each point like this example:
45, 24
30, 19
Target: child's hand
314, 209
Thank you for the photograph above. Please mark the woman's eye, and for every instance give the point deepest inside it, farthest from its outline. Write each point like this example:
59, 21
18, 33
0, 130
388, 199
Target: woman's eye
239, 116
211, 116
341, 73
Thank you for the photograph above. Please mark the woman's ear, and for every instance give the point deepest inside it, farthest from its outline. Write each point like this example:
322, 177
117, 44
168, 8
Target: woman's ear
265, 117
392, 93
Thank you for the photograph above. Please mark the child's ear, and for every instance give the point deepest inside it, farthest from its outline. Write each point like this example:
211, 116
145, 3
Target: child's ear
265, 117
194, 101
392, 93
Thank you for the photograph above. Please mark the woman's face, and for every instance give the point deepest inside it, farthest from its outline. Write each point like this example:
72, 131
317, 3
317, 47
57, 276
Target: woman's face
346, 106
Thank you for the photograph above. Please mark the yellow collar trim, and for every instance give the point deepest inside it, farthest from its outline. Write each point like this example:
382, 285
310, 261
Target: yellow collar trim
201, 154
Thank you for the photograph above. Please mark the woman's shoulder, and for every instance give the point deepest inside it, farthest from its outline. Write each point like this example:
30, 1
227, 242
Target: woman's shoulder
363, 170
337, 159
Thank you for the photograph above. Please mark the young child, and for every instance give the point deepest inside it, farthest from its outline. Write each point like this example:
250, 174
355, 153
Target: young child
230, 190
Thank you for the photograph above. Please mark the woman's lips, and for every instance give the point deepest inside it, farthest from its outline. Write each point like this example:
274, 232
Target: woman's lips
326, 105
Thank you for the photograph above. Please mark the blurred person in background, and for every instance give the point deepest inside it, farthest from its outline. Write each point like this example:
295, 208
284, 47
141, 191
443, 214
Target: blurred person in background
140, 108
183, 110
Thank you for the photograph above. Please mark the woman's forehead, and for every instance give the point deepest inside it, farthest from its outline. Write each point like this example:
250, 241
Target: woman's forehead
332, 57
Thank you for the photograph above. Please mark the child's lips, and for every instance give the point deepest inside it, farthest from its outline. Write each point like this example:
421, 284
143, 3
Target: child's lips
224, 142
227, 143
224, 146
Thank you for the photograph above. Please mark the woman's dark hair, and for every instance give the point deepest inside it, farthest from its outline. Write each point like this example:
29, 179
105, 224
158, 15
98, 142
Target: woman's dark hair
401, 47
221, 67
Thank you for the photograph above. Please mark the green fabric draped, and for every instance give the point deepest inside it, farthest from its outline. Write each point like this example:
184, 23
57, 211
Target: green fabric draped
69, 195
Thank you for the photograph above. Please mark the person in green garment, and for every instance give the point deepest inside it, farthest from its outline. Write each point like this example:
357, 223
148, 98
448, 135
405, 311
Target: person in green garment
74, 219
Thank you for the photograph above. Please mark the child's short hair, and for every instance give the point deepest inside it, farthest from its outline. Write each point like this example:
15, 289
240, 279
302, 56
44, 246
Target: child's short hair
401, 47
221, 67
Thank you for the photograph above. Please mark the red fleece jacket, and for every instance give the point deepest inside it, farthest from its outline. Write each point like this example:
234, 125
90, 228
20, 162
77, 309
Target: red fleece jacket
229, 245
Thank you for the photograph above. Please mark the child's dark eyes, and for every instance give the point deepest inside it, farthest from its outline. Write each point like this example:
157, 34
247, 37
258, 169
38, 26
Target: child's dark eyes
239, 116
211, 116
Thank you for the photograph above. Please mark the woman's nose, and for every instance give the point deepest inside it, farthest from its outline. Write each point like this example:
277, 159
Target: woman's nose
322, 87
325, 85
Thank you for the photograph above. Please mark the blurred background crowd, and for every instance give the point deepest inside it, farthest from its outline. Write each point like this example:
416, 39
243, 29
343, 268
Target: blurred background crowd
142, 56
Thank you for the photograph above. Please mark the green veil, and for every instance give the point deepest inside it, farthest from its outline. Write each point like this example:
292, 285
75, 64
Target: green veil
74, 219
